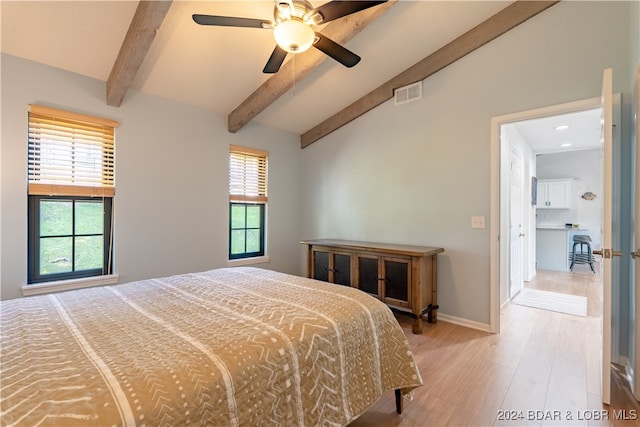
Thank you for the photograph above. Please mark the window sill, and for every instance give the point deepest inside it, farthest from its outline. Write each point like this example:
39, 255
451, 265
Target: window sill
67, 285
247, 261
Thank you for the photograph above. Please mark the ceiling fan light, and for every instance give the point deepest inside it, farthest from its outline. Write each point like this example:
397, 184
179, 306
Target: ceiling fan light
294, 36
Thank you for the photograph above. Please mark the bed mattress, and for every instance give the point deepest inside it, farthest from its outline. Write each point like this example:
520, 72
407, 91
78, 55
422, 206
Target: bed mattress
233, 346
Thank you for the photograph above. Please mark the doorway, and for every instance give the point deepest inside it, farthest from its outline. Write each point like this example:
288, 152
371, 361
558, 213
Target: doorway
505, 137
500, 248
561, 194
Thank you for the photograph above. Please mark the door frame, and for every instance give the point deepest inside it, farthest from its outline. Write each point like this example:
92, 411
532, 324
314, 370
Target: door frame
635, 243
499, 209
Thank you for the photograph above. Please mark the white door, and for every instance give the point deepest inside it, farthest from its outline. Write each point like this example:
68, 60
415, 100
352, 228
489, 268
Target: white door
515, 225
635, 265
607, 252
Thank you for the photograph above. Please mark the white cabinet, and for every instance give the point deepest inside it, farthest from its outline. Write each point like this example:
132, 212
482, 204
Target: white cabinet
554, 194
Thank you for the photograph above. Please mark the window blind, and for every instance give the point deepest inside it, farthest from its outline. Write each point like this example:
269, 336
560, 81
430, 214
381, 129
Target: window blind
70, 154
247, 174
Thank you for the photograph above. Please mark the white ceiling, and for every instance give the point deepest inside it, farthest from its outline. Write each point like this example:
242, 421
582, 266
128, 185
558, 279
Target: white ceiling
219, 67
583, 132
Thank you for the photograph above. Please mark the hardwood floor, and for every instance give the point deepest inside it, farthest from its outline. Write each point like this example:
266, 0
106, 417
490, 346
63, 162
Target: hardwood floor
543, 369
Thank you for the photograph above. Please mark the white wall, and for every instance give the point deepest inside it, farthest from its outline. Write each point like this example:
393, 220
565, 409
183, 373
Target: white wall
416, 173
171, 204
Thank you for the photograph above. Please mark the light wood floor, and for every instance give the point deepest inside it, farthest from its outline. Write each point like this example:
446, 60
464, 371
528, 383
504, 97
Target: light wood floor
544, 367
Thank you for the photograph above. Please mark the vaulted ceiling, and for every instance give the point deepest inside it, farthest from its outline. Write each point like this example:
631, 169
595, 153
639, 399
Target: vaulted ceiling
156, 48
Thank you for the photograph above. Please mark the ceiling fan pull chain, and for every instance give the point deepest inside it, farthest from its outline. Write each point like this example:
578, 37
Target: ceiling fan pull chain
293, 68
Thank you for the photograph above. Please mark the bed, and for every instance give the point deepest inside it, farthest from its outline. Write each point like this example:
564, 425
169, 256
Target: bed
232, 346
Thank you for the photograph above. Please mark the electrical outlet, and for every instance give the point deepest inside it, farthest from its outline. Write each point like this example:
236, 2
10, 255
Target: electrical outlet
477, 222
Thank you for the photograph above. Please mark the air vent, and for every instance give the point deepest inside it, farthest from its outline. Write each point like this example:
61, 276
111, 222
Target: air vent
408, 93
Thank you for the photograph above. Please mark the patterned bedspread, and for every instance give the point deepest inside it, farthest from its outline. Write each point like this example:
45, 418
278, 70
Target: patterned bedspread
234, 346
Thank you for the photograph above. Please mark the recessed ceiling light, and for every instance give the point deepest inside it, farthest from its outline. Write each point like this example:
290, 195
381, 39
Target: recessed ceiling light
566, 144
562, 127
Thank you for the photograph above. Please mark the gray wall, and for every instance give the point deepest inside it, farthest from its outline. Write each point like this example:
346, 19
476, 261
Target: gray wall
409, 174
634, 318
171, 204
630, 315
416, 173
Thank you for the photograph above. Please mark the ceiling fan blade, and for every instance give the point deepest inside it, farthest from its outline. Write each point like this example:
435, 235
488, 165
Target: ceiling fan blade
230, 21
275, 60
336, 51
337, 9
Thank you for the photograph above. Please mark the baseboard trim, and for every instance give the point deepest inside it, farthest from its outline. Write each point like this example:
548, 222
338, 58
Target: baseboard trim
464, 322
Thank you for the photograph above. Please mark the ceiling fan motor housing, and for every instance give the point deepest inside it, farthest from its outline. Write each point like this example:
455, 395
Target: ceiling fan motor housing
300, 10
293, 20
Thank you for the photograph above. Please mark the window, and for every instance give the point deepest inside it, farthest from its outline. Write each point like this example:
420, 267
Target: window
247, 202
247, 230
70, 237
71, 189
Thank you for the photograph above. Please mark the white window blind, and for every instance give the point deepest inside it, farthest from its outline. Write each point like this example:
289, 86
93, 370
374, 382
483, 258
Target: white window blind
247, 174
70, 154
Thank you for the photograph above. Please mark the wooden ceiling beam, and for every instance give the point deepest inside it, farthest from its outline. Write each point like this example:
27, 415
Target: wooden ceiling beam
341, 31
503, 21
142, 30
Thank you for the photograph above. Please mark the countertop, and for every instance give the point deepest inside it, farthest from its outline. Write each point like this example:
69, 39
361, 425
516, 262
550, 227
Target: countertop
558, 227
375, 247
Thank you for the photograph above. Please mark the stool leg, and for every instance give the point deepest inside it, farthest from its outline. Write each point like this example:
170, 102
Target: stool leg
590, 258
573, 256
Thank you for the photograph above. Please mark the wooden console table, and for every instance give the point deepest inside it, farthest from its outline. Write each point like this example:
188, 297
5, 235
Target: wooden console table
402, 276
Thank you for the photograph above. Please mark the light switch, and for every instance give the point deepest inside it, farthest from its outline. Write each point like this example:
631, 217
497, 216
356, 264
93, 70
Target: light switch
477, 222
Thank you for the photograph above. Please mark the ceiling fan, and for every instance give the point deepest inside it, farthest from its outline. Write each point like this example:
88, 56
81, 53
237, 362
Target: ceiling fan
292, 28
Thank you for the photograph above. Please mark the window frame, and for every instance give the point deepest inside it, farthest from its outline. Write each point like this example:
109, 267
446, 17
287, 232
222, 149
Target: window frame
261, 251
34, 239
248, 172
